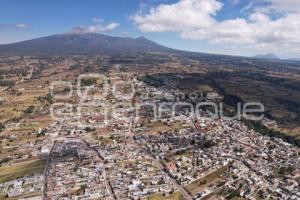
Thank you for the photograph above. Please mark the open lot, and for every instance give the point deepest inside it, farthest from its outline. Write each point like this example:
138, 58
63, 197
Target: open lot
201, 183
174, 196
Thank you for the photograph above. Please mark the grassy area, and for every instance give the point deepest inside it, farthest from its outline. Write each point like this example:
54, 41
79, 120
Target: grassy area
16, 104
158, 127
174, 196
195, 186
2, 196
179, 125
295, 132
19, 170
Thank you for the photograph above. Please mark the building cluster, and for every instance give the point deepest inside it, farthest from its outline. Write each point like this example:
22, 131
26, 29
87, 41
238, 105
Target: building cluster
75, 172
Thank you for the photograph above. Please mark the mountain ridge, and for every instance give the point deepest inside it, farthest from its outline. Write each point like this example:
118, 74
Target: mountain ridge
267, 56
88, 43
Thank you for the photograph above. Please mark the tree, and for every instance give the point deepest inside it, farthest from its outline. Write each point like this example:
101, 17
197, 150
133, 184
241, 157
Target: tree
29, 110
181, 197
89, 129
5, 160
1, 127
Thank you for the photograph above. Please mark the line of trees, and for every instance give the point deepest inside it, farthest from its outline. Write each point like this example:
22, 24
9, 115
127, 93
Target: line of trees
258, 127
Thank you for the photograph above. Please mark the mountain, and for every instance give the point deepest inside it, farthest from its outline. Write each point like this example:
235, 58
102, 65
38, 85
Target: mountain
294, 59
88, 43
267, 56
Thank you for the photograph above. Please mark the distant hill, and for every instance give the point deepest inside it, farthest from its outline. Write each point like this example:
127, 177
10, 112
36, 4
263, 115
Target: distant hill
89, 43
267, 56
295, 59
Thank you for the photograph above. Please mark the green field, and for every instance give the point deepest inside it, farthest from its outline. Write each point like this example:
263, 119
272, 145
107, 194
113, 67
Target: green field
19, 170
194, 187
174, 196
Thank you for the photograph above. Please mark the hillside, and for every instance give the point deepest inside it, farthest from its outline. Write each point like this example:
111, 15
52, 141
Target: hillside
267, 56
83, 44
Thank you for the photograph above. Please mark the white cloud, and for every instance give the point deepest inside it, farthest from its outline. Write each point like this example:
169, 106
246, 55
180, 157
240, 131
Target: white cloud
97, 20
195, 19
94, 28
100, 28
183, 15
22, 26
14, 26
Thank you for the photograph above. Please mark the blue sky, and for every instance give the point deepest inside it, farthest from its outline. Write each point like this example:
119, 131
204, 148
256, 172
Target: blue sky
237, 27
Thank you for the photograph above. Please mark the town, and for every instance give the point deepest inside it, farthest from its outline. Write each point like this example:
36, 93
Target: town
102, 147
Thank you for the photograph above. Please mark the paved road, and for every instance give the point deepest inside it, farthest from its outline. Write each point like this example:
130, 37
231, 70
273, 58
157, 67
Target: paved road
48, 162
109, 189
186, 195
